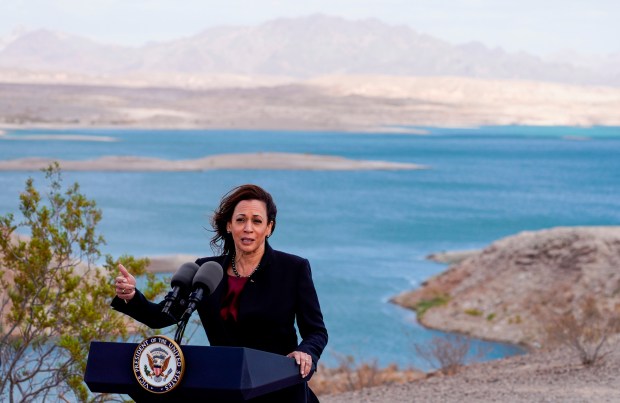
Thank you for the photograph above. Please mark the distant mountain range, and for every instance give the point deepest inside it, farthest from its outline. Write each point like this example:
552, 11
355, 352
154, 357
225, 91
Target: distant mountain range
299, 48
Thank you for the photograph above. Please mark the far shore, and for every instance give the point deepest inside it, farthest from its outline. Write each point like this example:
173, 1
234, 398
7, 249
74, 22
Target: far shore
354, 104
267, 161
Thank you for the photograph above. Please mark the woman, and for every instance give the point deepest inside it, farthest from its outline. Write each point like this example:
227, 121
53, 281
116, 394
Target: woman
257, 303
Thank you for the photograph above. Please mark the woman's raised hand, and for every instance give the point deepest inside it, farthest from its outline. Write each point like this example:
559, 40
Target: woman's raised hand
125, 284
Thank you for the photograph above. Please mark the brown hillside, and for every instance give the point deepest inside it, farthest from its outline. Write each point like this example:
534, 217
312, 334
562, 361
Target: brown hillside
506, 291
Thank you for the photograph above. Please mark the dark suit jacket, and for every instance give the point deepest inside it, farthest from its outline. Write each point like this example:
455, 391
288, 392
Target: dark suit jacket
278, 293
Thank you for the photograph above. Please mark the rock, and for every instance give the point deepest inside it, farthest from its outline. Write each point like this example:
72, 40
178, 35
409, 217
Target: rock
506, 291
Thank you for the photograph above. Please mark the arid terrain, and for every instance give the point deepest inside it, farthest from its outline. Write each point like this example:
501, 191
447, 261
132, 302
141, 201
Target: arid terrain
552, 376
340, 103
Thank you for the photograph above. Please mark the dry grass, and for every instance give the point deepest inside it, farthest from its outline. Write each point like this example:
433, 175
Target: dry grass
448, 354
350, 375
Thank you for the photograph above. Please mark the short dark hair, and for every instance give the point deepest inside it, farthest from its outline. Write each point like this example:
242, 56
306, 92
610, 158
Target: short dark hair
222, 241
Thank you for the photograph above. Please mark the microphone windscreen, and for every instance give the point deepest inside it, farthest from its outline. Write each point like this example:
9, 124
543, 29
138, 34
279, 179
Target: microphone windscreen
184, 276
209, 275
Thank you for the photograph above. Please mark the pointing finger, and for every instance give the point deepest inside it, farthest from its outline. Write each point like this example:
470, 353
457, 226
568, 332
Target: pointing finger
124, 271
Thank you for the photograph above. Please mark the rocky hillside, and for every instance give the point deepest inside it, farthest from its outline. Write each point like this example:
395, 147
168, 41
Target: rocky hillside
508, 290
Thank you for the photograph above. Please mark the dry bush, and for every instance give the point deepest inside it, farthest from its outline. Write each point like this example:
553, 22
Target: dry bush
350, 375
585, 330
447, 353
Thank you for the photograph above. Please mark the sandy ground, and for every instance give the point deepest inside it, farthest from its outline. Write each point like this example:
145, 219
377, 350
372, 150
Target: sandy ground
555, 376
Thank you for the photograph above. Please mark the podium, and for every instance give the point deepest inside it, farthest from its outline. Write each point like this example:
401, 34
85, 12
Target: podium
212, 374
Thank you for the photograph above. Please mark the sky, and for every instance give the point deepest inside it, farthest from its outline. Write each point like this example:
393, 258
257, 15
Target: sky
541, 27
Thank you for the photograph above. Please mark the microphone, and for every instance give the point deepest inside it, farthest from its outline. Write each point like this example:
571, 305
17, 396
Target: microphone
206, 280
181, 283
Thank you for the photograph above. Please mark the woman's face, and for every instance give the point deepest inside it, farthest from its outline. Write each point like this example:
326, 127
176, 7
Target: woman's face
249, 226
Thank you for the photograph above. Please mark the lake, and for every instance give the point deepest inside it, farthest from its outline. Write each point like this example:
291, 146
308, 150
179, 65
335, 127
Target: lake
366, 233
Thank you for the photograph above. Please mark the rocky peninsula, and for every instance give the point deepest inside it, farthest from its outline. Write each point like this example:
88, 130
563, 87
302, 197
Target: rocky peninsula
508, 291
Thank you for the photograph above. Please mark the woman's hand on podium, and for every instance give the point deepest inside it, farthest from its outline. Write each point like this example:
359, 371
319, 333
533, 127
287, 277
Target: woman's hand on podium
125, 284
304, 361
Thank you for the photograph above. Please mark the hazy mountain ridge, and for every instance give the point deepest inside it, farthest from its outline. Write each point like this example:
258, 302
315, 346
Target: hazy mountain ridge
300, 47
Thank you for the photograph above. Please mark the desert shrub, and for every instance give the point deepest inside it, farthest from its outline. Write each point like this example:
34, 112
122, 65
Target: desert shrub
473, 312
424, 305
447, 353
54, 298
515, 320
351, 375
584, 330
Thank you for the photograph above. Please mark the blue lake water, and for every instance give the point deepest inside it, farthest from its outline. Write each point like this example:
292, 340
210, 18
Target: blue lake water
366, 233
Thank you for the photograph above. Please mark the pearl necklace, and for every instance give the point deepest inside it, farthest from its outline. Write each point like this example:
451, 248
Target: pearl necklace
234, 268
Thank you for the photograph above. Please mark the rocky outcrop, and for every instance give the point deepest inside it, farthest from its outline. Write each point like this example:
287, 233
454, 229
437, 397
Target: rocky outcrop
507, 291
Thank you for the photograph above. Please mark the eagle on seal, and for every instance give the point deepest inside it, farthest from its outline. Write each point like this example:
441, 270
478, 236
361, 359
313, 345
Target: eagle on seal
158, 363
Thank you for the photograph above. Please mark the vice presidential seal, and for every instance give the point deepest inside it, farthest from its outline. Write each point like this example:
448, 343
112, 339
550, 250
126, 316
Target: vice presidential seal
158, 364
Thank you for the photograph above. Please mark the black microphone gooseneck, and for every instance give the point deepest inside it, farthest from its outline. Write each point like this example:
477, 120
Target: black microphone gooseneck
206, 280
181, 284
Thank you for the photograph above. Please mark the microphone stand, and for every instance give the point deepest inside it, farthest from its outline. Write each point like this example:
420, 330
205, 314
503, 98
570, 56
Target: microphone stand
178, 336
194, 298
181, 324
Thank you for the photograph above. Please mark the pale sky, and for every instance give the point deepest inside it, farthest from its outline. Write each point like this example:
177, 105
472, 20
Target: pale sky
537, 26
